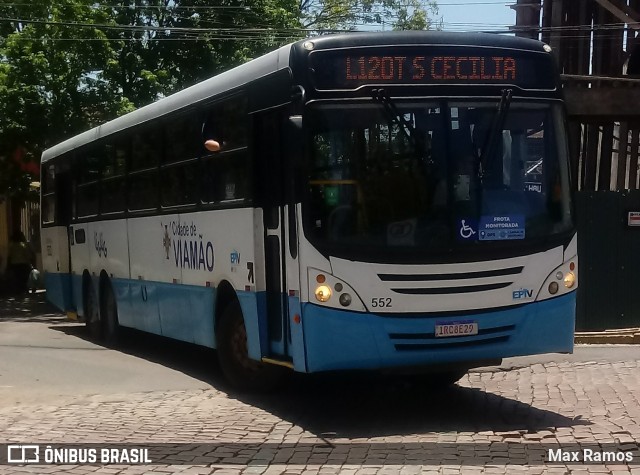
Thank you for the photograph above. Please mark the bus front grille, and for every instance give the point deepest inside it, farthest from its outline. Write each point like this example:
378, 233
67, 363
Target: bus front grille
428, 341
460, 282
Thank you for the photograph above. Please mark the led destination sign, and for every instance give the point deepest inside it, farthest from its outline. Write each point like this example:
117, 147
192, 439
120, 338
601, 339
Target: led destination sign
352, 69
437, 68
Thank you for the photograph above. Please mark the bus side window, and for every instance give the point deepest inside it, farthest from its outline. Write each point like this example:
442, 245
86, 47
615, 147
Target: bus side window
143, 190
182, 139
91, 163
226, 177
48, 213
226, 174
87, 199
226, 123
112, 187
146, 150
180, 184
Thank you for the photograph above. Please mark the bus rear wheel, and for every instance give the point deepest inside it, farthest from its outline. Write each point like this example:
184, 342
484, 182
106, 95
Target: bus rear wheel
241, 371
110, 326
92, 313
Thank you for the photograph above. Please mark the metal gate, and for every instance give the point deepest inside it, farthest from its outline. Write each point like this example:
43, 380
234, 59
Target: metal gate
609, 253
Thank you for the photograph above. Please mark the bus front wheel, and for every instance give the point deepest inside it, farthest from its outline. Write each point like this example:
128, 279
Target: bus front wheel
242, 372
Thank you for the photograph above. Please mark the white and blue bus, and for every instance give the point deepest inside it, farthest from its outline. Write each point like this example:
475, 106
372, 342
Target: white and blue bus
363, 201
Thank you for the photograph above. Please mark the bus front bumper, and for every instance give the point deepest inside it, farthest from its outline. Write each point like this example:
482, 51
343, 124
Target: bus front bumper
336, 339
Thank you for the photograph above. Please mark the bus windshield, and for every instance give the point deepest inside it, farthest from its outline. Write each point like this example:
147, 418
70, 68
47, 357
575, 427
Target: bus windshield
430, 176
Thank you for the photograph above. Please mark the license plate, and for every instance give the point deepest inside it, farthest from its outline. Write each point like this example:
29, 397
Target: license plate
456, 329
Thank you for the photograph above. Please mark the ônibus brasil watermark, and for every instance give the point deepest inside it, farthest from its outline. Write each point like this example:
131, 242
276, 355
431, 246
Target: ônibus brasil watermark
35, 454
342, 452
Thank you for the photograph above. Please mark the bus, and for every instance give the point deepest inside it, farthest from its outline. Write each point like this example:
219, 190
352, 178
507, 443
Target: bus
395, 201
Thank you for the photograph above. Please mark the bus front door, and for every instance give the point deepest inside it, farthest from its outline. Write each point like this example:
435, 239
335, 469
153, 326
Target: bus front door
270, 180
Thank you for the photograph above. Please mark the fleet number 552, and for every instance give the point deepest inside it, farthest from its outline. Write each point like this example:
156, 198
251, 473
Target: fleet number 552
381, 302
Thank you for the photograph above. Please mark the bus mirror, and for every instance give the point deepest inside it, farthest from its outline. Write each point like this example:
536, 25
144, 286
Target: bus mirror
295, 122
212, 145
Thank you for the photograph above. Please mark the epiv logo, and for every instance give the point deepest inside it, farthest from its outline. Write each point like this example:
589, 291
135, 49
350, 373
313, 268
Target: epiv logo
522, 294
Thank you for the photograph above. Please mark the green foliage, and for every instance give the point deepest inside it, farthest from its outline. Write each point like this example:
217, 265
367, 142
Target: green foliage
169, 45
69, 65
348, 15
51, 82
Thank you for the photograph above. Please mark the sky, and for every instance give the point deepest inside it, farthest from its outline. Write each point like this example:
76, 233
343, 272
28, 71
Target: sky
476, 15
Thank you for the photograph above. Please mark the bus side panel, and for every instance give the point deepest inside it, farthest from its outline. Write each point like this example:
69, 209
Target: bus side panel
201, 301
152, 264
108, 249
144, 307
177, 261
297, 336
122, 293
250, 309
177, 319
212, 247
55, 264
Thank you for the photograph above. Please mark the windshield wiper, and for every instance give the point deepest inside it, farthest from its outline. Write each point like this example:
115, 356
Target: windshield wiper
494, 131
394, 116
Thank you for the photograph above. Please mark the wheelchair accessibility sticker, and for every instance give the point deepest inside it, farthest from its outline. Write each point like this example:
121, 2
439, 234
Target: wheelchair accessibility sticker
467, 229
499, 228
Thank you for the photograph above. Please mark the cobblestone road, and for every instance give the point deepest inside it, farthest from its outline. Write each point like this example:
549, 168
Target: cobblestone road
355, 425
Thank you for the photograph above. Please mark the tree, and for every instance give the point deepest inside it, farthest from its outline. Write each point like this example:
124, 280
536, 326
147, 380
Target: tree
349, 15
51, 82
167, 45
68, 65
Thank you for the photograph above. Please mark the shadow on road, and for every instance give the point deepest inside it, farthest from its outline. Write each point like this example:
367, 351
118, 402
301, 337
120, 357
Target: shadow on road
371, 405
353, 404
347, 404
29, 308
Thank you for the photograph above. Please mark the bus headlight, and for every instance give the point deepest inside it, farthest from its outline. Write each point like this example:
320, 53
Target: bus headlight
323, 293
569, 280
562, 280
332, 292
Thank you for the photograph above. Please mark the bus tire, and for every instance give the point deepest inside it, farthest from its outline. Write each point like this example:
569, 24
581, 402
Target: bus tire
92, 313
242, 372
110, 325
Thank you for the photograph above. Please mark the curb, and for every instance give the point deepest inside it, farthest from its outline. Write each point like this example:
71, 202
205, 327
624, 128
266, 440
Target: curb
625, 336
